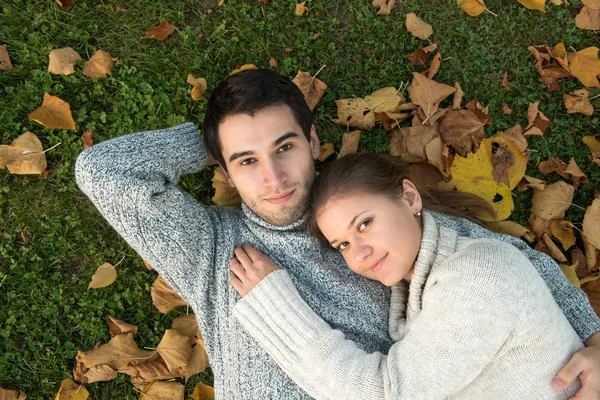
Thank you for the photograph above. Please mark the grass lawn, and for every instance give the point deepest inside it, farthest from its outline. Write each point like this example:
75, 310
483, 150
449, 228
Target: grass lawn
46, 312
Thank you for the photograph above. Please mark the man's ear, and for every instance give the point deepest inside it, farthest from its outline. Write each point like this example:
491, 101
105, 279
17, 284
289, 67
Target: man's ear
315, 145
226, 174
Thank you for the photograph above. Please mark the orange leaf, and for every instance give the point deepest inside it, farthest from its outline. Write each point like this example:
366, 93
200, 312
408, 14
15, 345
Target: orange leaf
70, 390
301, 9
66, 4
6, 394
325, 151
553, 201
117, 327
243, 68
160, 32
591, 224
105, 275
175, 350
99, 66
164, 298
311, 87
199, 86
585, 66
562, 231
588, 18
538, 122
24, 156
203, 392
5, 64
87, 139
349, 143
62, 61
577, 102
428, 93
472, 7
225, 195
419, 28
163, 391
385, 6
273, 62
54, 113
534, 4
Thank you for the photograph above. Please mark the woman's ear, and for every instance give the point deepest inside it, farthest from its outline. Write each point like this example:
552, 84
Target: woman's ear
412, 196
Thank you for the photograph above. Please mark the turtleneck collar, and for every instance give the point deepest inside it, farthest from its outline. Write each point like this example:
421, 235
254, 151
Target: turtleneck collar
254, 218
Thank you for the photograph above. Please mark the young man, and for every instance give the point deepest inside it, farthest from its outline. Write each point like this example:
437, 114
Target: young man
259, 129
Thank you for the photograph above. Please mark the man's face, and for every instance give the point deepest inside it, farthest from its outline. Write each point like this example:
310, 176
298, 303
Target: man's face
270, 162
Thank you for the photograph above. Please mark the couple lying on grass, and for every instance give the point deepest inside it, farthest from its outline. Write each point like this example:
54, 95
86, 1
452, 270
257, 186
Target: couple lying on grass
399, 295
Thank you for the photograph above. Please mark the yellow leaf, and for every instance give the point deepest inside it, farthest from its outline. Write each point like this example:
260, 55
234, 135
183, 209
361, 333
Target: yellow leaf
99, 66
164, 297
161, 390
472, 7
225, 195
569, 271
591, 142
105, 275
513, 229
591, 224
562, 231
6, 394
160, 32
385, 99
585, 66
534, 4
62, 61
325, 151
419, 28
311, 87
5, 64
203, 392
301, 9
70, 390
54, 113
199, 86
24, 156
355, 113
243, 68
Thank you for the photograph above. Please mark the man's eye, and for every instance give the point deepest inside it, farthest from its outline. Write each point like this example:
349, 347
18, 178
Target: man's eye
343, 246
248, 161
285, 147
363, 225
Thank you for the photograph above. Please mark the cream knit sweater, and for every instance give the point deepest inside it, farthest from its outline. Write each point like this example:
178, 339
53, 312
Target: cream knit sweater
476, 322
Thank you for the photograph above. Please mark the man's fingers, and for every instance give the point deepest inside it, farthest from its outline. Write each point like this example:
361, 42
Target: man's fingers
568, 373
237, 269
251, 251
242, 257
236, 283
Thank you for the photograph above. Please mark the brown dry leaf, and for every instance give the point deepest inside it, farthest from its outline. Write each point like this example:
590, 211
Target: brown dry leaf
385, 6
325, 151
538, 122
472, 7
419, 28
99, 373
243, 68
417, 139
355, 113
197, 362
199, 86
70, 390
117, 327
546, 245
588, 18
534, 4
301, 9
87, 139
6, 394
578, 259
349, 143
551, 64
398, 138
119, 8
149, 371
66, 5
591, 224
434, 67
225, 195
187, 325
203, 392
24, 236
531, 182
462, 130
426, 174
515, 135
5, 64
434, 150
163, 297
577, 102
175, 350
505, 84
220, 3
592, 255
562, 230
390, 120
592, 289
513, 229
422, 54
539, 226
502, 159
99, 66
147, 264
273, 62
482, 112
54, 113
577, 175
458, 96
553, 201
105, 275
62, 61
160, 32
163, 391
24, 156
553, 165
506, 109
585, 66
311, 87
591, 142
428, 93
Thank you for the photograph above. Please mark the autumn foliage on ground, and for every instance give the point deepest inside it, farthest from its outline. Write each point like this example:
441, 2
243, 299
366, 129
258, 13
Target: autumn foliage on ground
522, 136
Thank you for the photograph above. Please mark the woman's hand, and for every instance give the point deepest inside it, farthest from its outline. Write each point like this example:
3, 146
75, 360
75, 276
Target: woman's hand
586, 365
249, 267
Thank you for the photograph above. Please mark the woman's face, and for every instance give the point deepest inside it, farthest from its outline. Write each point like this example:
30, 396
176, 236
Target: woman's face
379, 237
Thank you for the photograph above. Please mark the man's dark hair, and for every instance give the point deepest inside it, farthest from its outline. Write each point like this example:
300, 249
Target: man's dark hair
248, 92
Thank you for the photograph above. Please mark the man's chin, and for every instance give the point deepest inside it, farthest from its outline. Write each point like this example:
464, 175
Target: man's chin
282, 214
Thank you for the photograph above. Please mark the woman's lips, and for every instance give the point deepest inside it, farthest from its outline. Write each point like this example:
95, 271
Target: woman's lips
377, 265
281, 198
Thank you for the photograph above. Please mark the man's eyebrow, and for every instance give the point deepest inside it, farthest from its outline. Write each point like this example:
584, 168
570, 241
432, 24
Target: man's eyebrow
240, 154
275, 143
349, 225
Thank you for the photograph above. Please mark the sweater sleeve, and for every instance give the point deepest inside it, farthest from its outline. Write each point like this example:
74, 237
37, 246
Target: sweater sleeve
132, 182
468, 315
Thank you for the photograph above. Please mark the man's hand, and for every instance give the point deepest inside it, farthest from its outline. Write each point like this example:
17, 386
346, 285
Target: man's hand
586, 365
249, 267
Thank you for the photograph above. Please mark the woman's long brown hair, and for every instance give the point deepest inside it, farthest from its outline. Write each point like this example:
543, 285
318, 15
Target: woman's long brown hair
367, 172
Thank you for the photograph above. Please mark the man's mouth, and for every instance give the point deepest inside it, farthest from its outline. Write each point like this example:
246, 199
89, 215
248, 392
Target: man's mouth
281, 198
376, 266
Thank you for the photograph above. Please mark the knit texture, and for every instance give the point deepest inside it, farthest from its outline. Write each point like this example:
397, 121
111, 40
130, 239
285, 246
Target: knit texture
477, 321
132, 180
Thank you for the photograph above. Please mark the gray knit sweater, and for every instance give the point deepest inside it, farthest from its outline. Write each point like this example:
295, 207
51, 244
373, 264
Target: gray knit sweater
132, 180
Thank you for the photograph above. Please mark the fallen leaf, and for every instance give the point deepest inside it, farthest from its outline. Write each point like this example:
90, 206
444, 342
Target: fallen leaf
355, 113
571, 273
66, 5
301, 9
62, 61
164, 298
546, 245
428, 93
99, 66
243, 68
225, 195
434, 67
5, 64
24, 236
506, 109
562, 230
54, 113
592, 289
419, 28
147, 264
349, 143
385, 99
70, 390
588, 18
220, 3
325, 151
197, 362
472, 7
163, 391
105, 275
187, 326
592, 255
534, 4
385, 6
203, 392
591, 142
481, 112
422, 54
118, 327
577, 175
551, 64
553, 201
553, 165
87, 139
515, 135
175, 350
119, 8
591, 224
531, 182
390, 120
149, 371
311, 87
398, 148
273, 62
462, 130
417, 139
513, 229
160, 32
24, 156
199, 86
502, 159
427, 175
585, 66
539, 225
578, 259
505, 84
538, 122
458, 96
99, 373
6, 394
434, 150
577, 102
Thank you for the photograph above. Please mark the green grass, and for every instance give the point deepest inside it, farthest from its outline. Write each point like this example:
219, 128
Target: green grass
46, 311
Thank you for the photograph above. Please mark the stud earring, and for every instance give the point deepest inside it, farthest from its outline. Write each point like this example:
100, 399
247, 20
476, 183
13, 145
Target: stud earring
418, 214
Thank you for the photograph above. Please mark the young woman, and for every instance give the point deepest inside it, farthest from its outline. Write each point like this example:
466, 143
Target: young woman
471, 318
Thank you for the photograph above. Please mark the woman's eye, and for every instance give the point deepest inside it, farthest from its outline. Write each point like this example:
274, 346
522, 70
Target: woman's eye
342, 246
248, 161
285, 147
363, 225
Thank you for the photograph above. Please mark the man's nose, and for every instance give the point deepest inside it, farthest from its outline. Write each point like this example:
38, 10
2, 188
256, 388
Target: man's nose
361, 251
273, 174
